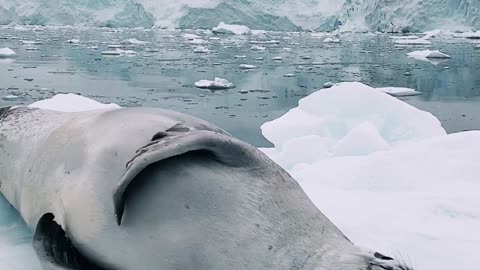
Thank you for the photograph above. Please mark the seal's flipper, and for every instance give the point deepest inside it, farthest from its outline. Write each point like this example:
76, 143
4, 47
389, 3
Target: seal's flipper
55, 250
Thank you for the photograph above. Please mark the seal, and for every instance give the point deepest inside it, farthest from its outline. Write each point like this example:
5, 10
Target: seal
142, 188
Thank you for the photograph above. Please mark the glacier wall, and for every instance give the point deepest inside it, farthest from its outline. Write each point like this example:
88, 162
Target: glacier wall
285, 15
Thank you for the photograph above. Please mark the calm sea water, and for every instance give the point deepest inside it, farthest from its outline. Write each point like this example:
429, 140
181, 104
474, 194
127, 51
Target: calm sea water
163, 71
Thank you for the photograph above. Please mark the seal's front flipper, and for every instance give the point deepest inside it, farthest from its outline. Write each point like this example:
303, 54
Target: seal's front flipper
55, 250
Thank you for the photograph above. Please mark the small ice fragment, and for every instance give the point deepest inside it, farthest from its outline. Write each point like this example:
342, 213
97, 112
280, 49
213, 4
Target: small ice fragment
201, 49
331, 40
240, 56
134, 41
243, 91
418, 41
399, 91
289, 75
305, 57
217, 84
71, 103
114, 46
10, 98
73, 41
434, 57
277, 58
264, 42
328, 85
258, 48
244, 66
7, 52
231, 29
30, 42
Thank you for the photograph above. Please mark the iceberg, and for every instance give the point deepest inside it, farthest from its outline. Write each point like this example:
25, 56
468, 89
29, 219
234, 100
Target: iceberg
7, 53
216, 84
231, 29
327, 117
434, 57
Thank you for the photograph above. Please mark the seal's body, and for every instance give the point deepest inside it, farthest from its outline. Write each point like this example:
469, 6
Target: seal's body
152, 189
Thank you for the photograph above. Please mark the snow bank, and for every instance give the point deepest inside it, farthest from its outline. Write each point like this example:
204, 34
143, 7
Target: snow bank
399, 91
331, 118
7, 52
217, 84
71, 103
385, 173
231, 29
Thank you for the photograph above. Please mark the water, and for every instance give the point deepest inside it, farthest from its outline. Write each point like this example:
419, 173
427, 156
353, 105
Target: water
164, 78
164, 75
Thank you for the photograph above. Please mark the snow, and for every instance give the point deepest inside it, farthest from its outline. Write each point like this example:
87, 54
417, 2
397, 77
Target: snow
7, 52
216, 84
399, 91
331, 40
434, 57
328, 116
245, 66
71, 103
385, 173
231, 29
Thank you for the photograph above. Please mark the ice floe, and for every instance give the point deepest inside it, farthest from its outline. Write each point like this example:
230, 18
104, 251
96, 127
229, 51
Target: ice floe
331, 40
216, 84
7, 52
399, 91
231, 29
245, 66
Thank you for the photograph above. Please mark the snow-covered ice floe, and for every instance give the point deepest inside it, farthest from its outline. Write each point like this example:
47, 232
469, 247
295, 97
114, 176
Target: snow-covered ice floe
72, 103
331, 40
434, 57
418, 41
216, 84
399, 91
119, 52
386, 173
10, 97
72, 41
7, 52
245, 66
201, 49
134, 41
231, 29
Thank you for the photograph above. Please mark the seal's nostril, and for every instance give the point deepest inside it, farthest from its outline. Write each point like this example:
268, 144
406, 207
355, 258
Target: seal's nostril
382, 257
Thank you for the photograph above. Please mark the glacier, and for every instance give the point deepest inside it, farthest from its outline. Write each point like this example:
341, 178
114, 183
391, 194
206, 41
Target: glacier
280, 15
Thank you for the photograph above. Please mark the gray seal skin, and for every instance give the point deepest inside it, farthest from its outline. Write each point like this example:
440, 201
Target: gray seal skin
151, 189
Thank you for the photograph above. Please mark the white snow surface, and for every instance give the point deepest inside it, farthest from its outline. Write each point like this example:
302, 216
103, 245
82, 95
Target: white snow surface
216, 84
71, 103
385, 173
7, 52
231, 29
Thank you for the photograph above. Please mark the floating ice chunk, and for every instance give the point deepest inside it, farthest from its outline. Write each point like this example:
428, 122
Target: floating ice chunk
434, 57
197, 41
118, 52
10, 97
305, 57
190, 36
471, 35
258, 58
240, 56
29, 48
258, 48
277, 58
477, 46
403, 37
432, 34
264, 42
399, 91
7, 52
72, 41
258, 32
214, 38
134, 41
331, 40
217, 84
71, 103
328, 85
245, 66
334, 113
30, 42
231, 29
114, 46
418, 41
201, 49
289, 75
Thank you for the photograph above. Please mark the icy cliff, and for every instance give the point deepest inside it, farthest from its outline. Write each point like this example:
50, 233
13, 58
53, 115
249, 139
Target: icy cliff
284, 15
